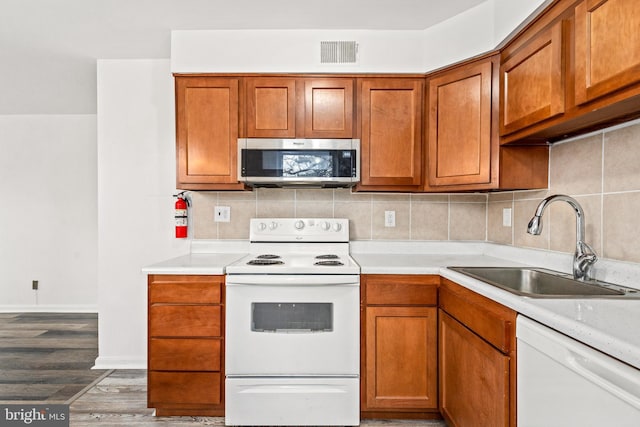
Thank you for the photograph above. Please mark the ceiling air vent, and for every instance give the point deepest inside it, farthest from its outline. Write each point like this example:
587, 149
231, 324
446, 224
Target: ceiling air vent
338, 52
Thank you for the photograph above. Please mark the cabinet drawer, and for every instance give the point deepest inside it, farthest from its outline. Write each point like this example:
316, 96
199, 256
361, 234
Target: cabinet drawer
401, 290
186, 354
184, 388
492, 321
185, 321
185, 289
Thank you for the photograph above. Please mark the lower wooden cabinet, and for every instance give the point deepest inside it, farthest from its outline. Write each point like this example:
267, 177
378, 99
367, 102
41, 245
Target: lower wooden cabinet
477, 359
186, 345
475, 377
429, 349
399, 347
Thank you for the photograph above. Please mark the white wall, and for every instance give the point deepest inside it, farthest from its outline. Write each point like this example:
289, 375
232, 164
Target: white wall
463, 36
468, 34
509, 14
293, 51
136, 181
48, 228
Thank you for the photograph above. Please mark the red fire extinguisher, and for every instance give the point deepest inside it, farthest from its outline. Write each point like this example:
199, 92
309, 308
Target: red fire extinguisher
182, 205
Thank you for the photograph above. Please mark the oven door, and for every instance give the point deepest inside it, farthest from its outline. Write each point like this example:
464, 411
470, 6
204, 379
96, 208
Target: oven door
279, 325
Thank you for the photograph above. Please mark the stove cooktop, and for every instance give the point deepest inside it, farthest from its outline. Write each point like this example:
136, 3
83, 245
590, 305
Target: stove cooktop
297, 246
295, 264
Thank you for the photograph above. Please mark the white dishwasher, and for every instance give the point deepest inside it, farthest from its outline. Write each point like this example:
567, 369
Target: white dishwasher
564, 383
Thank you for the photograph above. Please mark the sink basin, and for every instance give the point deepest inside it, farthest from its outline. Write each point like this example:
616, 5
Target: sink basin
542, 283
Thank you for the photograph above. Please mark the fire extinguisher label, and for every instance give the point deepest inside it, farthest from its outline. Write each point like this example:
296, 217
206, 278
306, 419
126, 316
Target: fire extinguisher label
181, 221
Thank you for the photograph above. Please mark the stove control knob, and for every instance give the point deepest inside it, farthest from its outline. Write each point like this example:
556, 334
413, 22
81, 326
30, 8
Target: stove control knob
262, 226
325, 226
273, 225
337, 226
299, 225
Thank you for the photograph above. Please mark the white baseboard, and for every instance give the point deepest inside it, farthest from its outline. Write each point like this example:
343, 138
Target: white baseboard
53, 308
106, 362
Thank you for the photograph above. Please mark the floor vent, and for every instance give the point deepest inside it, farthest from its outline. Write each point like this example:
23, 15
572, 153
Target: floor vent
338, 52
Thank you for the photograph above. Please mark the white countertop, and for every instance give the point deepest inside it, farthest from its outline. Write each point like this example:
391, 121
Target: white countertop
198, 263
612, 326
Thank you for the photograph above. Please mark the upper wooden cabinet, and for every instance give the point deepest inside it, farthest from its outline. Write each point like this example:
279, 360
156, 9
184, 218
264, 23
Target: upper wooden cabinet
207, 110
391, 134
328, 108
463, 146
460, 134
289, 107
607, 47
271, 107
575, 68
532, 81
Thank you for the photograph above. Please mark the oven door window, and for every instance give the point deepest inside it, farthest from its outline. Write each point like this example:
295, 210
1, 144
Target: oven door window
288, 317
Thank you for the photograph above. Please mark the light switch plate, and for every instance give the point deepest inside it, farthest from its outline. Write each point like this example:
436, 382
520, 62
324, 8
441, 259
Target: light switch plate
506, 217
222, 214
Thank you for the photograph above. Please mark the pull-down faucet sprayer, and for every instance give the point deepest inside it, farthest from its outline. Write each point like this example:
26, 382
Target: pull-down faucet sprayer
584, 256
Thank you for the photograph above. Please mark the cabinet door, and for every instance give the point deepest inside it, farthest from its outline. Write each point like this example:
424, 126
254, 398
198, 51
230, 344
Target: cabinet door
401, 368
328, 108
207, 132
271, 107
532, 82
460, 131
607, 47
391, 142
474, 378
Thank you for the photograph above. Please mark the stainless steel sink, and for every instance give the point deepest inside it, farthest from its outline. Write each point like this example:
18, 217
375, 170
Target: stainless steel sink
542, 283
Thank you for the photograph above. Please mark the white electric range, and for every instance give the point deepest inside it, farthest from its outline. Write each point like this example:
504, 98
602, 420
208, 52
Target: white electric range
293, 326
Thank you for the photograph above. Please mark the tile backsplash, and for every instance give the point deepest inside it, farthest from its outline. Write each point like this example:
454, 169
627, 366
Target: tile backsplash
418, 216
600, 170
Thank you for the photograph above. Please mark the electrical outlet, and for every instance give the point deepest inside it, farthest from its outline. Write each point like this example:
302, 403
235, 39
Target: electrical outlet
506, 217
389, 218
34, 285
222, 214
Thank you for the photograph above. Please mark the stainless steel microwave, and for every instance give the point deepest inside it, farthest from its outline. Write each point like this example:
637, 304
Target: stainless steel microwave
299, 162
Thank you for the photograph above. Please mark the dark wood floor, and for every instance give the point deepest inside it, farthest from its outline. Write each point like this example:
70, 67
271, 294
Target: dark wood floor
47, 357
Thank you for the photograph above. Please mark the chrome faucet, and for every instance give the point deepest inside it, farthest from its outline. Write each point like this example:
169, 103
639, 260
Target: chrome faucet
584, 257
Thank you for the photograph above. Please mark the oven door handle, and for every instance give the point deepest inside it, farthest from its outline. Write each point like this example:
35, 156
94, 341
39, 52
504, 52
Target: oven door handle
292, 280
